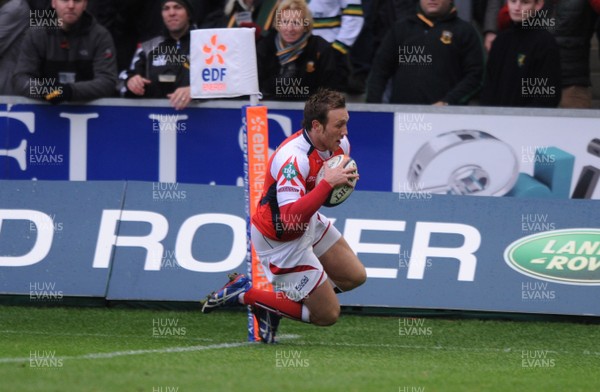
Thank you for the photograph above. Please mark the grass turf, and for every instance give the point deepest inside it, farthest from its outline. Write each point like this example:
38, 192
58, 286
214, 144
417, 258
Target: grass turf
107, 349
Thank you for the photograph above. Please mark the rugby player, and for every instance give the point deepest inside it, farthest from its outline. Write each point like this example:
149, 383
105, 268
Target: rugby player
304, 256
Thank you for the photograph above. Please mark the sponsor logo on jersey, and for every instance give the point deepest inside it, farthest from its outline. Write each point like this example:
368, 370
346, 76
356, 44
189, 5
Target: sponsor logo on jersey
288, 189
289, 171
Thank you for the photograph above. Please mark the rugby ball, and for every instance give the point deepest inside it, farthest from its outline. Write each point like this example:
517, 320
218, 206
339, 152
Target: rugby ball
341, 192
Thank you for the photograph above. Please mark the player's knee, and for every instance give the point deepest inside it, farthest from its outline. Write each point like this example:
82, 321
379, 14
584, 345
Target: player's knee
361, 276
327, 318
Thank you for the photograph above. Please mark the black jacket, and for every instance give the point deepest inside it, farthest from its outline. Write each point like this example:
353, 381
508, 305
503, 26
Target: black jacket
384, 14
85, 53
165, 62
575, 20
523, 69
314, 68
428, 61
14, 20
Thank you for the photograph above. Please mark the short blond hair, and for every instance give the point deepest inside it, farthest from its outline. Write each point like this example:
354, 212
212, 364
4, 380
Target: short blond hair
295, 5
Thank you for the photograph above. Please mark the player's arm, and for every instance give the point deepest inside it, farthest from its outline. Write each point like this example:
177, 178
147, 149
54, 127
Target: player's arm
303, 208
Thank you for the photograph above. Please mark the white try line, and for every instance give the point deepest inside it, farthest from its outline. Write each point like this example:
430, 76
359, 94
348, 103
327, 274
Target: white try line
445, 348
126, 353
104, 335
167, 350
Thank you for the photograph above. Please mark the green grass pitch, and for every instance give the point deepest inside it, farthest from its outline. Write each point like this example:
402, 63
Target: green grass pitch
114, 349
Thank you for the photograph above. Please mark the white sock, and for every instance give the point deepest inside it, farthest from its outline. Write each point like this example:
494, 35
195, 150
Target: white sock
305, 314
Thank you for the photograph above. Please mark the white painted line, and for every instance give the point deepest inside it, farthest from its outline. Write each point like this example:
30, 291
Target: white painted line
115, 354
446, 348
167, 350
105, 335
288, 336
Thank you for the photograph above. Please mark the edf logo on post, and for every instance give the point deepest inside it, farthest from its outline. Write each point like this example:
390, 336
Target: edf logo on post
213, 76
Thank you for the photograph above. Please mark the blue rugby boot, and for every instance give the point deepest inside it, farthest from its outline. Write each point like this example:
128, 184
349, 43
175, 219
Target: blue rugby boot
268, 322
228, 294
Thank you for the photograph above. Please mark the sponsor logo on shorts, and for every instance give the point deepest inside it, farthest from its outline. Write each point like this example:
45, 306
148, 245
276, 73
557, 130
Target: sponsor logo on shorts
302, 283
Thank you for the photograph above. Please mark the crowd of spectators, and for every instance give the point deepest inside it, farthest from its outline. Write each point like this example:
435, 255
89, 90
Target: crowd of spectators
521, 53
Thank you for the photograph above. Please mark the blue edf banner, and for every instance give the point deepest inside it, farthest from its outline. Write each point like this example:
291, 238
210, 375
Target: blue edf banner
197, 145
177, 242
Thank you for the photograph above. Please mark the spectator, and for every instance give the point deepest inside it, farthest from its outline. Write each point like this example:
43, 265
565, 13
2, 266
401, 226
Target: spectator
39, 5
433, 57
105, 12
136, 21
384, 15
14, 19
573, 30
523, 68
293, 63
339, 22
250, 13
380, 16
208, 14
485, 13
72, 58
161, 68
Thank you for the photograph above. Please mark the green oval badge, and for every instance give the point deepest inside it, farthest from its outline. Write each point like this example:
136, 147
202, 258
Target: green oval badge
570, 256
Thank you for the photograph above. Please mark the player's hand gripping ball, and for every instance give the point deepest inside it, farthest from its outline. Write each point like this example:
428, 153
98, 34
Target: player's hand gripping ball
341, 192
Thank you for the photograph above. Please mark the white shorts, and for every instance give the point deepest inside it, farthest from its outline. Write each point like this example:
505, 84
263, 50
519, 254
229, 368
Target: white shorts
293, 267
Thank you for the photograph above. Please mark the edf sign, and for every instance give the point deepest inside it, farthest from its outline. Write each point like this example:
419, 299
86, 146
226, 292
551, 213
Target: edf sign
214, 74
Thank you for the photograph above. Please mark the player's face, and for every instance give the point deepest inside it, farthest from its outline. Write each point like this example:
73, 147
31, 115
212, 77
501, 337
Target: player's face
291, 26
435, 7
69, 11
175, 17
520, 10
330, 136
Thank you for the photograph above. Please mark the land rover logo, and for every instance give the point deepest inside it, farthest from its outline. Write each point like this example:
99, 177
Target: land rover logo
570, 256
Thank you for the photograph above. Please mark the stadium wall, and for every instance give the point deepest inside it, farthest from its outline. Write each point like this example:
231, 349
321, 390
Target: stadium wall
146, 140
153, 230
150, 241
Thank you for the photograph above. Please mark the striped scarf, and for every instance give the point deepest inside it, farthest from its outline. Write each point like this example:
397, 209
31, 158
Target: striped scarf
288, 53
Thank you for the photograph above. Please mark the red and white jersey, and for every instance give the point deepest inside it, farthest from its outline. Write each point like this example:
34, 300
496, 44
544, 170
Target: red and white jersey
293, 170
